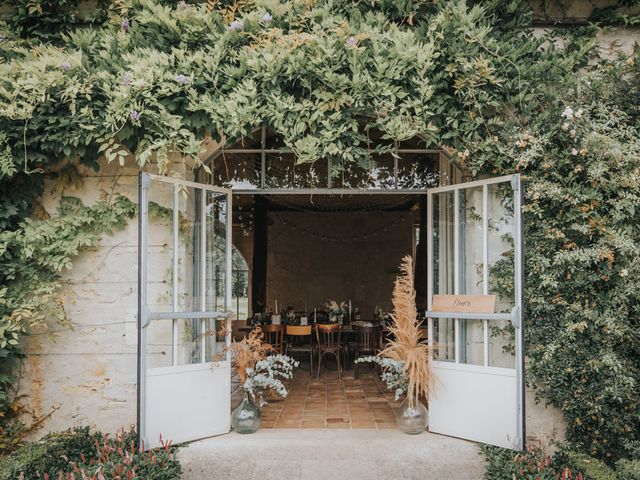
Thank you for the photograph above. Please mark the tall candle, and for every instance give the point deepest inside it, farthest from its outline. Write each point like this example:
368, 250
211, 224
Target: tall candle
349, 308
276, 306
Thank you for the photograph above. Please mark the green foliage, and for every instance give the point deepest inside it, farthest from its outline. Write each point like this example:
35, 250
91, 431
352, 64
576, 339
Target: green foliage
503, 463
50, 454
32, 257
591, 468
81, 453
582, 173
628, 469
566, 464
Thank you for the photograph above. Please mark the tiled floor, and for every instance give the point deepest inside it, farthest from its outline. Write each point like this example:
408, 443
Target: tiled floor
330, 403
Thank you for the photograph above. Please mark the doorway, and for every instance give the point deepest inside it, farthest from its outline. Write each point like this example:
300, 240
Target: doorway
453, 215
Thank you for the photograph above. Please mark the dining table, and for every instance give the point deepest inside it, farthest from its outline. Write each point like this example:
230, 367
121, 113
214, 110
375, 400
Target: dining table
346, 327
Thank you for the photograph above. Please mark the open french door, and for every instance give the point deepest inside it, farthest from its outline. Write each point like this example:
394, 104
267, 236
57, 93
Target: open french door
184, 293
475, 311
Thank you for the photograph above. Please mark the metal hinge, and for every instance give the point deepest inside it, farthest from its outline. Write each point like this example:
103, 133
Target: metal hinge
145, 180
515, 317
515, 183
146, 318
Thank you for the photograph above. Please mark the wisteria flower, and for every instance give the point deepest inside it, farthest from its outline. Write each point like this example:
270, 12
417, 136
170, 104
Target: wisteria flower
578, 113
126, 79
135, 115
624, 272
266, 18
182, 79
565, 126
183, 5
568, 113
351, 42
235, 26
574, 151
125, 24
65, 66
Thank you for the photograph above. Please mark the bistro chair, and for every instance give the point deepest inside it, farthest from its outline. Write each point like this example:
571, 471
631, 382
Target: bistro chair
273, 335
300, 340
367, 342
329, 342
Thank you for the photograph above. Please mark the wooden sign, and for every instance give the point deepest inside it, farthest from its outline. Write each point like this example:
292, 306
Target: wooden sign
464, 303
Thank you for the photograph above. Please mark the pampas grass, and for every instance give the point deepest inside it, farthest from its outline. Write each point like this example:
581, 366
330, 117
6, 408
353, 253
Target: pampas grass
407, 345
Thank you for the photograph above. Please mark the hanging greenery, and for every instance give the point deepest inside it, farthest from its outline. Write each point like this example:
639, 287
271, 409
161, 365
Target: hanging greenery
471, 79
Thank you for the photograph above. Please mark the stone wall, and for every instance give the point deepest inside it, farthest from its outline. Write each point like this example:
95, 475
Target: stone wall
87, 376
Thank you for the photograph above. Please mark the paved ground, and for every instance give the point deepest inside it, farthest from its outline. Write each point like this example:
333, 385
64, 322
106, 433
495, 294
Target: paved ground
331, 455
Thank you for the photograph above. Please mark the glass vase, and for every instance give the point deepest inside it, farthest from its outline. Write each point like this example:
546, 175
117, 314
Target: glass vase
412, 420
245, 418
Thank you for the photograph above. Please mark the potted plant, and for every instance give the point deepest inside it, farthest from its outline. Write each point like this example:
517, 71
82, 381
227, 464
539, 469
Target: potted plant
405, 361
258, 372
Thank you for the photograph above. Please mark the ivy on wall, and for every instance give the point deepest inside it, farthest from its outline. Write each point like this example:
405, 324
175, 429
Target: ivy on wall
472, 79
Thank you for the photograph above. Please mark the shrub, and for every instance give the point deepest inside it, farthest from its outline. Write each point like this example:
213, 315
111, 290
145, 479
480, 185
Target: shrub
50, 454
79, 453
591, 468
533, 463
628, 469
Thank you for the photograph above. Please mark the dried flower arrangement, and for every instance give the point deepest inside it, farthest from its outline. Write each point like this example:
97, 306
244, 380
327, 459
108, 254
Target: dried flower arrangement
256, 369
336, 310
405, 361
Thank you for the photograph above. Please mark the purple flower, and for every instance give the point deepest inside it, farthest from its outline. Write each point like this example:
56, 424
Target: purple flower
183, 5
125, 24
126, 79
235, 25
351, 42
135, 115
65, 66
182, 79
266, 18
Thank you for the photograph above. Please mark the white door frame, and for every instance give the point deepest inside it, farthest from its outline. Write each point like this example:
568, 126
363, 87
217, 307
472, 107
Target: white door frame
222, 368
516, 316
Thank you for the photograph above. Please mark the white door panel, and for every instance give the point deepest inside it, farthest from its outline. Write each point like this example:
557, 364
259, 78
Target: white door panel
184, 293
475, 249
189, 413
460, 409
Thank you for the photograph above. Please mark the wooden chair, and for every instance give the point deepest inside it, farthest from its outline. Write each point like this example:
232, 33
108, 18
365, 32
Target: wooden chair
298, 343
367, 342
273, 335
329, 342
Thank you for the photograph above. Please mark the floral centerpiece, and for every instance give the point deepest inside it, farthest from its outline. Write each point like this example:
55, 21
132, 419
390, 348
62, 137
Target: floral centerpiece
258, 372
336, 310
405, 361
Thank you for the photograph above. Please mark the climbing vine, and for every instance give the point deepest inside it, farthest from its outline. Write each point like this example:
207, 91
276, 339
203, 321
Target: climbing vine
473, 79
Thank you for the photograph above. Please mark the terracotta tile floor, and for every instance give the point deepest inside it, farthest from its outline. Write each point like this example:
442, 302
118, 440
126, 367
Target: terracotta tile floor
330, 403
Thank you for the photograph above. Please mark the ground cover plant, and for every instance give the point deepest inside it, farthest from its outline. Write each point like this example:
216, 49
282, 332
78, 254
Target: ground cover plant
81, 453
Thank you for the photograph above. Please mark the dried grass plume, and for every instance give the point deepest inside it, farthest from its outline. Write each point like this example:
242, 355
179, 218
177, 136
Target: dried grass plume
408, 345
